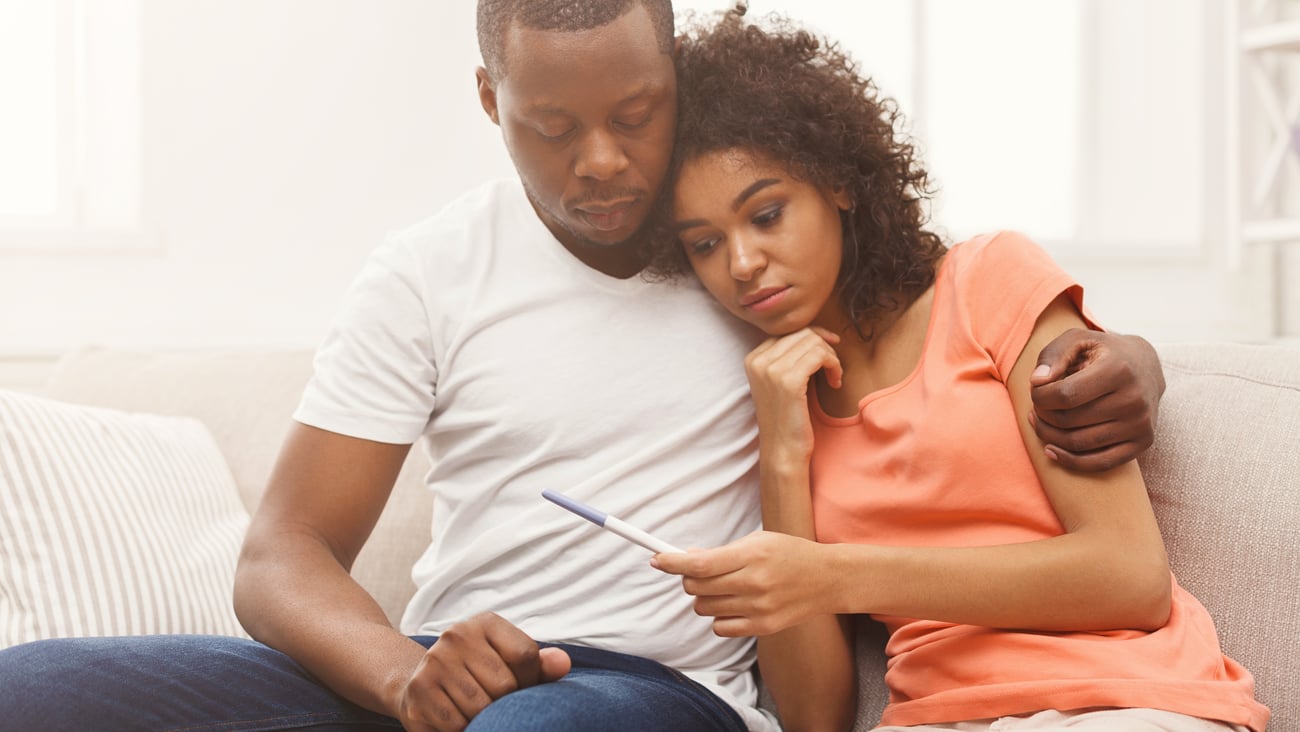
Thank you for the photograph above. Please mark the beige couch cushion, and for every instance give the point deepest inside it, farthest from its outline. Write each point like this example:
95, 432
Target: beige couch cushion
112, 524
246, 399
1224, 478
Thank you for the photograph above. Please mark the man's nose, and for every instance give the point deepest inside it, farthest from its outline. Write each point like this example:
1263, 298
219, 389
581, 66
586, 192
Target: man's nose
601, 156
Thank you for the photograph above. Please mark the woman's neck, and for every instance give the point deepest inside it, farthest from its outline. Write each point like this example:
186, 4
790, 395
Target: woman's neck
887, 357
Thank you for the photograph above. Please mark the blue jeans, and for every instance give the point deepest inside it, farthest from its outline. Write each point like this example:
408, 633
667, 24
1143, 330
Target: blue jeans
212, 683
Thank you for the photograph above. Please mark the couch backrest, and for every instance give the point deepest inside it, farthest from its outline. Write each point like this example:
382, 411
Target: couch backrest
1224, 478
246, 399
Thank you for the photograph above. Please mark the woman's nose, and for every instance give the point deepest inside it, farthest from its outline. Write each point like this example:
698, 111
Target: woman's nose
747, 259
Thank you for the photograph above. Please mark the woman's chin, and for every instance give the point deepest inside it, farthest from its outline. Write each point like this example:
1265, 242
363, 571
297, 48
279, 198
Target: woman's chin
776, 326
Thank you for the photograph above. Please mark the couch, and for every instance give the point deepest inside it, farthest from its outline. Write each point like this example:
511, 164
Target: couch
1224, 478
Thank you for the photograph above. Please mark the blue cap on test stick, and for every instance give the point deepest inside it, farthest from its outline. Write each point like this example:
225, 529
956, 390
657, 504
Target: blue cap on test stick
582, 509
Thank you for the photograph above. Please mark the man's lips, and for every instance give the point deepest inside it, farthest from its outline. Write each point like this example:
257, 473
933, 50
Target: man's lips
765, 298
607, 216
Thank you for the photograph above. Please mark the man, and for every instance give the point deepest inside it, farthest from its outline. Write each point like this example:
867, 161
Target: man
512, 334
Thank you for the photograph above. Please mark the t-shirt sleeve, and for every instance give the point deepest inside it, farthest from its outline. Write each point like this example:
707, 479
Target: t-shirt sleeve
1010, 281
374, 375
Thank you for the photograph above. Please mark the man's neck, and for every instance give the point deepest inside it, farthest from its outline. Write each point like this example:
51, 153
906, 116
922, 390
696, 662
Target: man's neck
621, 261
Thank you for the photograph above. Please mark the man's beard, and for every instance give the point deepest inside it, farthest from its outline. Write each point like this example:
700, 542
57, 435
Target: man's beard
634, 239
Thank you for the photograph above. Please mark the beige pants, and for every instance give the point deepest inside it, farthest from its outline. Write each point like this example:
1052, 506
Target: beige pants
1108, 720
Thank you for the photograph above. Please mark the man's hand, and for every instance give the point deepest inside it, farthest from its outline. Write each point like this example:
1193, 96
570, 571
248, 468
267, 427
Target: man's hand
1095, 398
473, 664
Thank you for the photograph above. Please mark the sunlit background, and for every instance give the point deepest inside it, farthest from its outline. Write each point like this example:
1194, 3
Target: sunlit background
211, 173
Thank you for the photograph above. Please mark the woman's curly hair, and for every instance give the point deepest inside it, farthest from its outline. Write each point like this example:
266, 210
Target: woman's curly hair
782, 92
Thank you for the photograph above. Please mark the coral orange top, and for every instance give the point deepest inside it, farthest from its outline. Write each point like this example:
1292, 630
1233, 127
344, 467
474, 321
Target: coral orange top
938, 460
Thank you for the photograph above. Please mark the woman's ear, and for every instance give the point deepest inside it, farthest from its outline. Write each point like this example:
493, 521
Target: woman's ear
840, 195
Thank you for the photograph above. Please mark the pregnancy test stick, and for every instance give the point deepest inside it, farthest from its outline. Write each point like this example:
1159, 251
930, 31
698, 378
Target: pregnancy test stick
611, 523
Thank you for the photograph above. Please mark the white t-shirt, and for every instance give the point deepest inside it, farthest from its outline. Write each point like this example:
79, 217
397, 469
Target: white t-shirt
523, 369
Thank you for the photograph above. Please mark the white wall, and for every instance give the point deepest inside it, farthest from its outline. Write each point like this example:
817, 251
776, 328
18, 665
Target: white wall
282, 139
1288, 257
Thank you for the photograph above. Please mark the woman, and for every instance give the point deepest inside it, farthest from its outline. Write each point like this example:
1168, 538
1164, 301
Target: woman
900, 473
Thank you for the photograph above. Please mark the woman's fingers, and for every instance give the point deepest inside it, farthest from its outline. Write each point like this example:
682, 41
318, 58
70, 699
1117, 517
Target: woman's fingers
791, 360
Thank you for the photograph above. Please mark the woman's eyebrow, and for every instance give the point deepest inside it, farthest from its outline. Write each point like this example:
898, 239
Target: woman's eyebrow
739, 201
753, 188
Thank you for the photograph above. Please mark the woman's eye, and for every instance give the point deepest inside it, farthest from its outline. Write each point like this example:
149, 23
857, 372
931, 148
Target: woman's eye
767, 217
702, 246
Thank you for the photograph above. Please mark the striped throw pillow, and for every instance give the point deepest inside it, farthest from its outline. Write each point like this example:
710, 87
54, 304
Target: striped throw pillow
112, 523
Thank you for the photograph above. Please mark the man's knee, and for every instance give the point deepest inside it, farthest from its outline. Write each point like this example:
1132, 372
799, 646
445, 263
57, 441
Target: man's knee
20, 664
549, 706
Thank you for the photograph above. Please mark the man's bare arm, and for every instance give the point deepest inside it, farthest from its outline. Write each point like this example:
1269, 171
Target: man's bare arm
293, 593
292, 588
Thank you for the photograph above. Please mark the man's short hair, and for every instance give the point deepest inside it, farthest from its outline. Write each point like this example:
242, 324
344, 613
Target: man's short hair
496, 17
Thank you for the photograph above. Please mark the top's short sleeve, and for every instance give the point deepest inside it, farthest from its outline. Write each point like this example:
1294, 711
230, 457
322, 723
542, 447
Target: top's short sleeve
1007, 281
374, 375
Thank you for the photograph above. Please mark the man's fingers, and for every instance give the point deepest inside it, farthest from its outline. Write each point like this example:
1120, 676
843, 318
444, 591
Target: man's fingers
447, 717
1098, 460
473, 663
520, 654
1125, 409
1072, 391
493, 678
1085, 416
1062, 355
555, 663
1092, 413
439, 712
469, 696
1081, 440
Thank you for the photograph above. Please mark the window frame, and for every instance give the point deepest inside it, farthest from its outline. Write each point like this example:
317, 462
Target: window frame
68, 230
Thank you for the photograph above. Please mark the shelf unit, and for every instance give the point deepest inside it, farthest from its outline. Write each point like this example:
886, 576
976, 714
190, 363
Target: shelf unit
1263, 124
1276, 36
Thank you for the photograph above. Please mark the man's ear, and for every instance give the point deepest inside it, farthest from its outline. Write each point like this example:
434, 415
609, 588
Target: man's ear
487, 94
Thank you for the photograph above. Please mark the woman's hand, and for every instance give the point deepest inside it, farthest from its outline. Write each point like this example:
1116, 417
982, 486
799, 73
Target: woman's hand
758, 585
779, 372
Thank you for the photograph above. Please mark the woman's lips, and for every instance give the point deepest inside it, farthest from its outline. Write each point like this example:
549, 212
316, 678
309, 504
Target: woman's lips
764, 299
